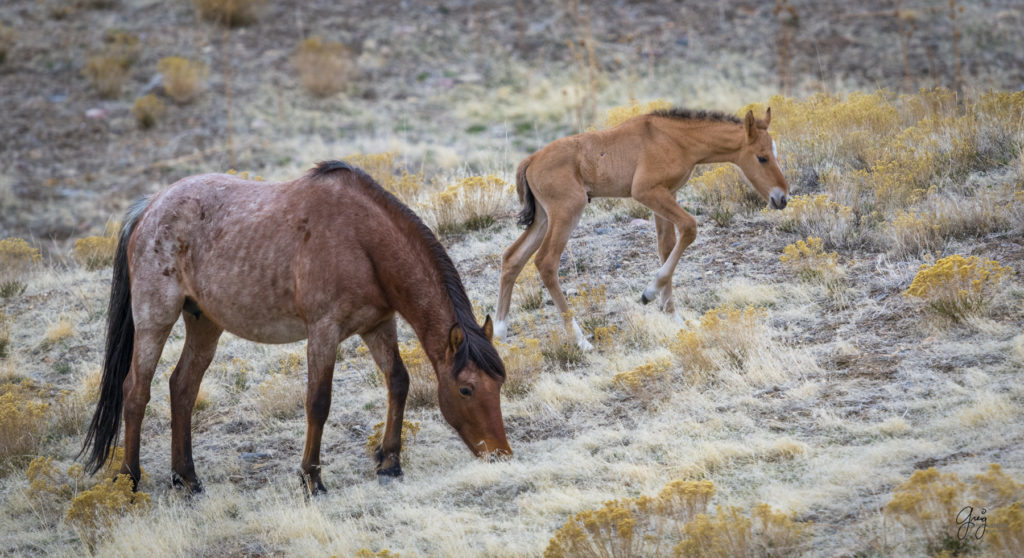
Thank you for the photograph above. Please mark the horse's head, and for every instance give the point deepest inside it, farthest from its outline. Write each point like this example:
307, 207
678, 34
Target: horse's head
758, 161
469, 395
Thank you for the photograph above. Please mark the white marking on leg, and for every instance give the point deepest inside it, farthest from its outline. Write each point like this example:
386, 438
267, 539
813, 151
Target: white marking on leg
775, 151
581, 339
500, 329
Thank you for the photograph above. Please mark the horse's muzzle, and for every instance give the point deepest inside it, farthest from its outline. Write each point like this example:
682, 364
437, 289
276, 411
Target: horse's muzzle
778, 199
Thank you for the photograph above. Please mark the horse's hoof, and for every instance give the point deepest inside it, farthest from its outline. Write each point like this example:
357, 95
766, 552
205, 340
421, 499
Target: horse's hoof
311, 488
190, 488
385, 476
644, 299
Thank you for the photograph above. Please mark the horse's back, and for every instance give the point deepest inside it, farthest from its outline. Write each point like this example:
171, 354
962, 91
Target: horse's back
261, 259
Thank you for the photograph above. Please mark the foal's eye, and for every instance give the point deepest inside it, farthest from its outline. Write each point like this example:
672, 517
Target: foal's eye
761, 159
465, 391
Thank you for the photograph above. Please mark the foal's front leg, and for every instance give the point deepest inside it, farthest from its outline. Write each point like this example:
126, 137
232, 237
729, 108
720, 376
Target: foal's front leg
321, 352
383, 345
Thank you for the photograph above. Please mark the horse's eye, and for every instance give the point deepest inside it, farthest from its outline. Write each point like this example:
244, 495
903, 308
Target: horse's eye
465, 391
761, 159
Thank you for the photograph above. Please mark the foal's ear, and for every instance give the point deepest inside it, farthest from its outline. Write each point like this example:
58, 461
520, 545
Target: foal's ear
751, 124
488, 327
455, 338
767, 117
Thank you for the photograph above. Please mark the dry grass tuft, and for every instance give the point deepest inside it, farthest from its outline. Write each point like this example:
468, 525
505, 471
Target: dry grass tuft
731, 533
422, 382
817, 216
382, 167
7, 41
725, 337
810, 261
5, 335
325, 67
59, 331
374, 440
957, 287
281, 396
724, 193
523, 364
183, 79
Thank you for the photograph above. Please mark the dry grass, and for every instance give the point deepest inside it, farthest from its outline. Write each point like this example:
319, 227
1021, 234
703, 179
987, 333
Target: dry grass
148, 110
229, 12
19, 259
183, 79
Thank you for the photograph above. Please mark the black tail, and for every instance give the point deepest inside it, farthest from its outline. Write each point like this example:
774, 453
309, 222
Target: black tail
529, 211
106, 421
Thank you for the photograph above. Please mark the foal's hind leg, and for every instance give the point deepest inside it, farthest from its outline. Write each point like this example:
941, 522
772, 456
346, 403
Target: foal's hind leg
562, 219
512, 262
321, 352
383, 345
201, 337
666, 241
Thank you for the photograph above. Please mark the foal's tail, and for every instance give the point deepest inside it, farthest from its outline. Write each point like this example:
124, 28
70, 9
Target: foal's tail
106, 420
529, 211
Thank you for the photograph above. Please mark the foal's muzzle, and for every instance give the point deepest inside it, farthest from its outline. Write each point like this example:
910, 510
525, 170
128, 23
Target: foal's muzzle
778, 199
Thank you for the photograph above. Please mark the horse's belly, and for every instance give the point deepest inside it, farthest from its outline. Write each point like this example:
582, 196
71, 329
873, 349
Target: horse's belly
263, 331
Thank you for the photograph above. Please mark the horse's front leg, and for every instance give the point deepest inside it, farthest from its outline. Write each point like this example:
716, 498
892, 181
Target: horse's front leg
666, 242
321, 352
383, 345
664, 205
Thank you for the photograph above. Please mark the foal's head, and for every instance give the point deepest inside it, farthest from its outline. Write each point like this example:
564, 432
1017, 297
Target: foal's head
758, 161
468, 396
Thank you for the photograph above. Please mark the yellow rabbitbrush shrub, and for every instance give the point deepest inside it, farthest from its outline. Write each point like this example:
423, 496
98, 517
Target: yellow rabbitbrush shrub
642, 526
97, 252
647, 381
957, 287
730, 533
810, 261
96, 510
816, 216
22, 425
325, 67
930, 506
382, 167
17, 260
724, 192
49, 489
409, 431
182, 78
472, 203
725, 336
618, 115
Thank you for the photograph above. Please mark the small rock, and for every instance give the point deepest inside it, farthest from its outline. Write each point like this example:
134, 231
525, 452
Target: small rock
96, 113
639, 222
603, 230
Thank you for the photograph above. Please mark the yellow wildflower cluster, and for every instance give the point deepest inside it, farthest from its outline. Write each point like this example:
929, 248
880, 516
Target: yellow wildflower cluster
325, 67
382, 167
22, 423
97, 252
725, 334
931, 506
182, 78
810, 261
471, 203
409, 431
102, 506
291, 364
956, 286
632, 526
17, 260
618, 115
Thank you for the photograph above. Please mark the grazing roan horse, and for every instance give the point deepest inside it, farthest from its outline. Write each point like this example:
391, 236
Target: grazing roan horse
648, 158
323, 257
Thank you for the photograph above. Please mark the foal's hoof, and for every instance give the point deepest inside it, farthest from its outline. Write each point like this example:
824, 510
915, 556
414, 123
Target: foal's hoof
191, 488
644, 299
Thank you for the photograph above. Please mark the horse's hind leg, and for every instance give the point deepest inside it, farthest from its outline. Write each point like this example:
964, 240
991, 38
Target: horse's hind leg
666, 241
201, 336
383, 345
663, 203
321, 352
512, 262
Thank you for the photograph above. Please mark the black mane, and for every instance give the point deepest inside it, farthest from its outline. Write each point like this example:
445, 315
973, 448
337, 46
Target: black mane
476, 347
690, 114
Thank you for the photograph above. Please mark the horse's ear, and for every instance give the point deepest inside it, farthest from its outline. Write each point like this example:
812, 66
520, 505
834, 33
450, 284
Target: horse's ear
455, 338
767, 117
751, 124
488, 328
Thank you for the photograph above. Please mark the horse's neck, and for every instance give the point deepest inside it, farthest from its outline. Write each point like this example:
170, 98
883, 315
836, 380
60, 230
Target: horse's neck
709, 142
415, 287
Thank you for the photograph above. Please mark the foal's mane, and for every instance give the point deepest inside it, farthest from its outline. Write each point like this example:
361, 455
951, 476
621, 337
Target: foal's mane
680, 113
475, 347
